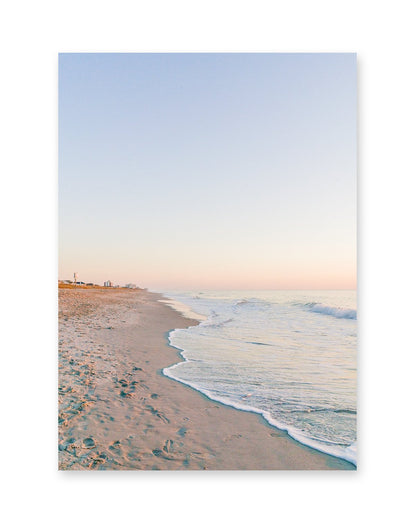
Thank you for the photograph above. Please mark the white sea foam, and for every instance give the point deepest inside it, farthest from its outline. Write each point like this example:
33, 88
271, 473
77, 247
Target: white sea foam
262, 353
183, 309
347, 453
337, 312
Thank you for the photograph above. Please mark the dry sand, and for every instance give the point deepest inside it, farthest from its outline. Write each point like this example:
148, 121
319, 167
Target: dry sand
118, 412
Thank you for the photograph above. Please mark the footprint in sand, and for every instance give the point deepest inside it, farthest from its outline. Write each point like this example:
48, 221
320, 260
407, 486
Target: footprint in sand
68, 445
133, 455
168, 447
161, 453
88, 443
157, 413
157, 452
232, 437
97, 460
115, 447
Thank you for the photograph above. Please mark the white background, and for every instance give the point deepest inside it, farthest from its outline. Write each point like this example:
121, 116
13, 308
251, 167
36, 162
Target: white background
31, 35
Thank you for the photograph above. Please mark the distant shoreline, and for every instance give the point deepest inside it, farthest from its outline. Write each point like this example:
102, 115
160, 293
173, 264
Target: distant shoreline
118, 411
62, 285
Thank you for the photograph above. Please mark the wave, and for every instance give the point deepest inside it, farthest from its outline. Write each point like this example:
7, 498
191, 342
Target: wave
184, 310
347, 453
244, 318
252, 301
331, 410
336, 312
211, 321
215, 324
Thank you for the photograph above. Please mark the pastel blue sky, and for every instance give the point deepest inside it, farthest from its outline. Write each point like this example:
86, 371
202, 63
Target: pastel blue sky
208, 170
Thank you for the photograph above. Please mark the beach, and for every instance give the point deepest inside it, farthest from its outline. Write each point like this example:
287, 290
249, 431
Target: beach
117, 411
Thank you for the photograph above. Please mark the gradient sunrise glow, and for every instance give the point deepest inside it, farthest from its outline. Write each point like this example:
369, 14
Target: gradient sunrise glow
220, 171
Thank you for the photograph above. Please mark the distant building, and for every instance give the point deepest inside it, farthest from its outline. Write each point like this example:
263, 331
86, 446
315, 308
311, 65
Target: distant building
130, 286
108, 284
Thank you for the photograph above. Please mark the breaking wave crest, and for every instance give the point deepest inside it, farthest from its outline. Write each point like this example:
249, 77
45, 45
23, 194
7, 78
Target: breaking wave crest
336, 312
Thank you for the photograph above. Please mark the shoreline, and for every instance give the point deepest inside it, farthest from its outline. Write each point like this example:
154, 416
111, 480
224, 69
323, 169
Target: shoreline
259, 413
118, 410
187, 312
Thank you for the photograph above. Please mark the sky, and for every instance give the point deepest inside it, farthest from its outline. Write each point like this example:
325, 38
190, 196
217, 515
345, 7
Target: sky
208, 171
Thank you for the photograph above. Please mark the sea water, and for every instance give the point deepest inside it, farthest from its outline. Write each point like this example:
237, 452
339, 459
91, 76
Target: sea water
287, 355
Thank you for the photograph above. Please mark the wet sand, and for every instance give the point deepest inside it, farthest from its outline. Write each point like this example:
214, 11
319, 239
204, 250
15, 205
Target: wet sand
117, 411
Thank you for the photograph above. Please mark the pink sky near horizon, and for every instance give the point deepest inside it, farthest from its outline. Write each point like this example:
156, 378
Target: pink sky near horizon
181, 272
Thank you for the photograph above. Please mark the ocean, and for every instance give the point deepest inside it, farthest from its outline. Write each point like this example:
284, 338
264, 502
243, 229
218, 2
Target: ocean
287, 355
